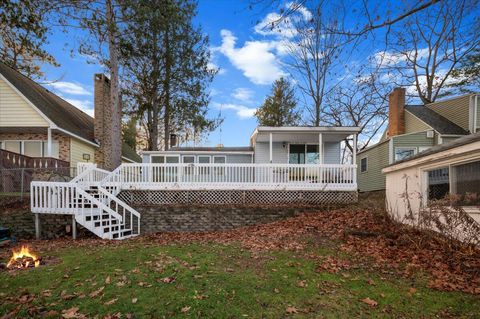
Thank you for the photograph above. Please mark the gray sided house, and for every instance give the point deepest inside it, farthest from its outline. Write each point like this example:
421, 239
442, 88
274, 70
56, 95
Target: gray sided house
276, 145
413, 129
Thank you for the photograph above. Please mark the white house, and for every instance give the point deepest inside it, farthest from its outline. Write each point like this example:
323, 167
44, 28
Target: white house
282, 165
450, 168
278, 158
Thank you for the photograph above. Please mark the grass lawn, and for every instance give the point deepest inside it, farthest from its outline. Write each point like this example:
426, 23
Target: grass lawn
141, 279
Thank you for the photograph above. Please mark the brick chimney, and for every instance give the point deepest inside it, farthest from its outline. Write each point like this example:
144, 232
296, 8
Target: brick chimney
396, 112
100, 102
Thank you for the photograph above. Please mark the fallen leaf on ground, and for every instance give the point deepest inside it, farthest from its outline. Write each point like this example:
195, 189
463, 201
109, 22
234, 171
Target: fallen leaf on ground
111, 302
134, 300
370, 302
186, 309
291, 310
70, 313
96, 292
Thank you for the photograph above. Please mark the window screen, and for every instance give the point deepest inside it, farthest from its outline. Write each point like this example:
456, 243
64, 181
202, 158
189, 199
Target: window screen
466, 183
438, 183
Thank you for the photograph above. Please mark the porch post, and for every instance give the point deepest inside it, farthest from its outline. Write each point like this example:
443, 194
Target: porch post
320, 148
354, 155
271, 145
37, 225
49, 142
74, 227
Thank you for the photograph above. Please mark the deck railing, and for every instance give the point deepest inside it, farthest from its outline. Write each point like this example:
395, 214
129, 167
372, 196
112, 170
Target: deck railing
234, 176
15, 160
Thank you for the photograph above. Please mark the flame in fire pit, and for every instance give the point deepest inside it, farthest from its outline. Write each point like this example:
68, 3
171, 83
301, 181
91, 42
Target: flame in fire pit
23, 258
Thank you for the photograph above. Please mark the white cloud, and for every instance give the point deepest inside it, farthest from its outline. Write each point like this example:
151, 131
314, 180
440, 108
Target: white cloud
213, 66
255, 58
70, 88
274, 24
84, 105
242, 111
389, 58
243, 94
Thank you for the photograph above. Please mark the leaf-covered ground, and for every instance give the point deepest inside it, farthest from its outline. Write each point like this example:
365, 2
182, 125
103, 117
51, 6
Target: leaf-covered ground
339, 263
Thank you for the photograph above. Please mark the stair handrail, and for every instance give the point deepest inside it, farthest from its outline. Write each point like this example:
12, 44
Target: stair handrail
100, 204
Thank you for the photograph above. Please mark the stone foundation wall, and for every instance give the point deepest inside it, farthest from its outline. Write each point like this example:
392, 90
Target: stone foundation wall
22, 224
202, 218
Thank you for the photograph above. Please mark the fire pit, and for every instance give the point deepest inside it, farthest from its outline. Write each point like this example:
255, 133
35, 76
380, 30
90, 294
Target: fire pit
23, 258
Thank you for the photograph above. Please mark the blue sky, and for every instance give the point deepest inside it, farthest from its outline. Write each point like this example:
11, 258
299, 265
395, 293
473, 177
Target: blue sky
249, 58
248, 63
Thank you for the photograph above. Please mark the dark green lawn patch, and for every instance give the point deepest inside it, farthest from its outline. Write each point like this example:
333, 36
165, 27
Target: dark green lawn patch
207, 280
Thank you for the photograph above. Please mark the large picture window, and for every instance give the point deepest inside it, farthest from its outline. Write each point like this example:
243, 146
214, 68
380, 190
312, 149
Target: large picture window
31, 148
303, 154
462, 180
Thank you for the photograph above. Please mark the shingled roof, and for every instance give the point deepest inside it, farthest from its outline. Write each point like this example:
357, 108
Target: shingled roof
60, 112
435, 120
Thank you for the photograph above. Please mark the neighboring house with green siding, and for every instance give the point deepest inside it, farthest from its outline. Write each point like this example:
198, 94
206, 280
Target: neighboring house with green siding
413, 129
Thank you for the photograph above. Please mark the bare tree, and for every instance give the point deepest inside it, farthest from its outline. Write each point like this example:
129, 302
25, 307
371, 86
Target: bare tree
429, 46
313, 55
358, 103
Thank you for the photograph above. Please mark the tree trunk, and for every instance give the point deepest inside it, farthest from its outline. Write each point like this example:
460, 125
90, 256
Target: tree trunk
113, 155
166, 90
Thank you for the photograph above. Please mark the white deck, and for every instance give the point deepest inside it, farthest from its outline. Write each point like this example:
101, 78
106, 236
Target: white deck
148, 176
92, 197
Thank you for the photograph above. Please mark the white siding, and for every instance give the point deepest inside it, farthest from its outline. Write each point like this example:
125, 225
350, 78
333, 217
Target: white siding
15, 111
331, 153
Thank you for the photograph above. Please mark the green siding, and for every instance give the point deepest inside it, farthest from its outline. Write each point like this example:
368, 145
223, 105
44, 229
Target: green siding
449, 139
414, 124
455, 110
373, 179
419, 139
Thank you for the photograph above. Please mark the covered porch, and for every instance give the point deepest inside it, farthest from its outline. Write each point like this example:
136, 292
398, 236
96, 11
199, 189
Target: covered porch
302, 145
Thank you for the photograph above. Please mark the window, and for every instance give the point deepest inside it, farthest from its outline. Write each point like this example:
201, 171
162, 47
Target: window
462, 180
32, 148
466, 183
165, 159
55, 149
363, 165
219, 160
312, 154
404, 152
297, 154
13, 146
188, 159
204, 159
438, 183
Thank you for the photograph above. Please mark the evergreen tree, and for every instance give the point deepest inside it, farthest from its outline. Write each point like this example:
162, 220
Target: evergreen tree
279, 108
23, 34
129, 132
166, 67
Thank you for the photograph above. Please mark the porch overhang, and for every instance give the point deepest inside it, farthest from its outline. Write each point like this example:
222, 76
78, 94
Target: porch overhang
304, 134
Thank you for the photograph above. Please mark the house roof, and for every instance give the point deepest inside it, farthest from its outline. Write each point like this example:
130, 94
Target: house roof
63, 114
202, 149
464, 140
435, 120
